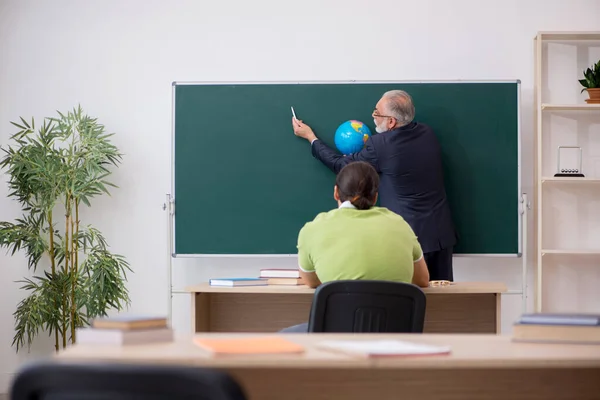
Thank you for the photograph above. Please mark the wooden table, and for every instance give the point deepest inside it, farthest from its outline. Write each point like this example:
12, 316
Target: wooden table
480, 367
463, 307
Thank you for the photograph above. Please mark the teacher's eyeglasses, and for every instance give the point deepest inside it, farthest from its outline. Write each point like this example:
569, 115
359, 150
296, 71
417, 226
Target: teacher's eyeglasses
376, 114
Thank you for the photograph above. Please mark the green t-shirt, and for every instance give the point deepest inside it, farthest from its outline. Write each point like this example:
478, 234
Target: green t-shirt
346, 243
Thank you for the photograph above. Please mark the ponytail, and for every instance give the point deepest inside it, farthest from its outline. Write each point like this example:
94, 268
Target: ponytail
362, 203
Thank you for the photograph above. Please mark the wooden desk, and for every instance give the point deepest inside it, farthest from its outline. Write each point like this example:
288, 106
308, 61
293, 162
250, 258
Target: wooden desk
480, 367
464, 307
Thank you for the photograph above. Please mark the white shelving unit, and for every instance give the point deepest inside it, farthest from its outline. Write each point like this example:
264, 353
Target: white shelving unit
567, 210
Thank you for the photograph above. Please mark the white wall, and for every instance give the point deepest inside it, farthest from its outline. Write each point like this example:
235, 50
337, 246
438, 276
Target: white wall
118, 59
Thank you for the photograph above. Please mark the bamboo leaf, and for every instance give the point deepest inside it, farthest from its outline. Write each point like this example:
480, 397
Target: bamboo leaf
19, 126
85, 201
25, 123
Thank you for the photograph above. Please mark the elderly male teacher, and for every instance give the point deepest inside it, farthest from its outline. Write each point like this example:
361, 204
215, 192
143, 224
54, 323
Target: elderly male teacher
407, 156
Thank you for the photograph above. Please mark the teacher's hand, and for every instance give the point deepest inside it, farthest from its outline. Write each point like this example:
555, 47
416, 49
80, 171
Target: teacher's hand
302, 130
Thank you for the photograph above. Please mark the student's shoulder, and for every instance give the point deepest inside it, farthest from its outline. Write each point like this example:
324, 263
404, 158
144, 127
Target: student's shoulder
389, 215
321, 218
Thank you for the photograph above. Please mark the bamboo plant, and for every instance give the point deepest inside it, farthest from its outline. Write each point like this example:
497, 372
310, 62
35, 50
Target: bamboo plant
54, 171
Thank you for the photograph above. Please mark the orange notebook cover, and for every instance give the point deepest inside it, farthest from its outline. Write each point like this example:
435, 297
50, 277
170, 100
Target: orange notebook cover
256, 345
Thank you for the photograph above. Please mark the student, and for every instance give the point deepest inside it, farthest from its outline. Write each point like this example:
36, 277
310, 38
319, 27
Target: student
359, 240
408, 158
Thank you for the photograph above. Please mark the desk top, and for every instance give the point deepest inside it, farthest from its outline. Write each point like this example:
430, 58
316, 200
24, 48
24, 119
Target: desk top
455, 287
468, 351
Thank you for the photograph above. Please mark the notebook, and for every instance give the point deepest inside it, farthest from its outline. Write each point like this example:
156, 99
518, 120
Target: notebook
285, 281
382, 348
556, 333
560, 319
254, 345
558, 328
280, 273
238, 282
130, 322
124, 337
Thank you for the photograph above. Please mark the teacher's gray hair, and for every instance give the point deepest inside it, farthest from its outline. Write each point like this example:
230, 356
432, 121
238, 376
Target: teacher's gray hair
400, 106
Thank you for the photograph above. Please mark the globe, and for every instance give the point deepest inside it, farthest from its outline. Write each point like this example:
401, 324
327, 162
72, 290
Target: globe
350, 137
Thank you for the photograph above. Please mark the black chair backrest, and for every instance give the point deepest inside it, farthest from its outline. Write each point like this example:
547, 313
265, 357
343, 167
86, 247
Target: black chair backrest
367, 306
69, 381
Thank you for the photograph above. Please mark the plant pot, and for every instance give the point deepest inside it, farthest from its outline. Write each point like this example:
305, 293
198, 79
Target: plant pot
594, 96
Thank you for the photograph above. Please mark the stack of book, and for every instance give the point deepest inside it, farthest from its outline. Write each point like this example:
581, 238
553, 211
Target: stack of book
558, 328
126, 330
276, 276
281, 276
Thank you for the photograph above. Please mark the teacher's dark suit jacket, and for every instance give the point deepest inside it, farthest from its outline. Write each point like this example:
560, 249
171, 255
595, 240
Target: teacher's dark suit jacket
408, 160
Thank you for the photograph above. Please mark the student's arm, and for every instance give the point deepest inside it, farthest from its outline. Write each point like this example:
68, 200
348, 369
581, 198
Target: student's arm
310, 279
305, 264
421, 273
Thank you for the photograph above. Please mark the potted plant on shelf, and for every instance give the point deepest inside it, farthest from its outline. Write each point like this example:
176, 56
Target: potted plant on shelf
591, 83
52, 173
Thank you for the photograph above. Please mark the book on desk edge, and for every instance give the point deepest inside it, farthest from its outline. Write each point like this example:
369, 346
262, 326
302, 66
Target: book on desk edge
570, 319
383, 348
556, 333
267, 344
130, 322
285, 281
231, 282
279, 273
92, 336
558, 328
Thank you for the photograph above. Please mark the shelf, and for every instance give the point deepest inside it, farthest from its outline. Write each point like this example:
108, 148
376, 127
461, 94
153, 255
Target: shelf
571, 252
559, 102
570, 36
570, 107
569, 180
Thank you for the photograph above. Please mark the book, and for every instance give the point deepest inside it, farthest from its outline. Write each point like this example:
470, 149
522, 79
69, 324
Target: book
560, 319
254, 345
285, 281
552, 333
382, 348
128, 322
280, 273
92, 336
238, 282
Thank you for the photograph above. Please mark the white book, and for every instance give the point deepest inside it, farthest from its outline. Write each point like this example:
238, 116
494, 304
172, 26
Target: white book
123, 337
383, 348
280, 273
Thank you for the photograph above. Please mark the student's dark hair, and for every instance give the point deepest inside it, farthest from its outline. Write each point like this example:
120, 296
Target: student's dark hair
358, 183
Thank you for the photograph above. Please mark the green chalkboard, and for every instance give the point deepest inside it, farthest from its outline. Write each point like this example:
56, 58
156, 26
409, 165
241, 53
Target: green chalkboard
244, 184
